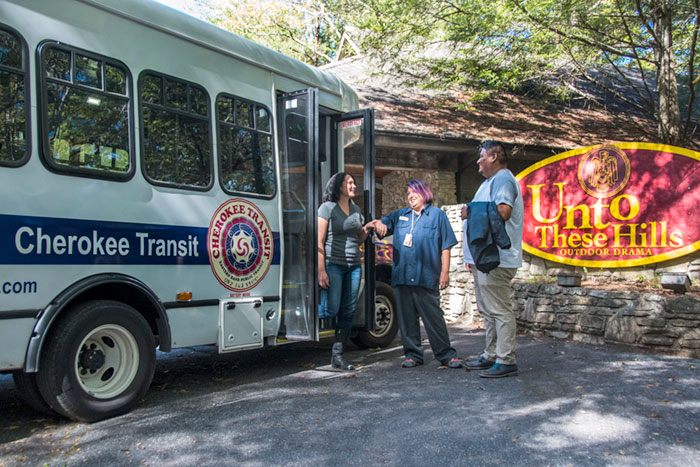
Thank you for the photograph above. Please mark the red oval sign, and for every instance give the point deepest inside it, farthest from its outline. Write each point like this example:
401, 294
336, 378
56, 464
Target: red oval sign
613, 205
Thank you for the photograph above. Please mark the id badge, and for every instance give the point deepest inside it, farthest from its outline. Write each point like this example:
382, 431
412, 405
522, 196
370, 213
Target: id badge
408, 241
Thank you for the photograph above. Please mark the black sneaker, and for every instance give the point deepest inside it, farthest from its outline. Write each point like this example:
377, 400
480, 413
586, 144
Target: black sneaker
481, 364
410, 363
500, 370
455, 363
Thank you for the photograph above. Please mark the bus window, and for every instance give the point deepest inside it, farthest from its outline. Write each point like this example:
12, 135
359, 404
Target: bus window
245, 147
176, 142
85, 113
13, 80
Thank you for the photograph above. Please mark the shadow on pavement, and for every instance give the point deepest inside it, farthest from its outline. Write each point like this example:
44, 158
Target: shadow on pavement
572, 404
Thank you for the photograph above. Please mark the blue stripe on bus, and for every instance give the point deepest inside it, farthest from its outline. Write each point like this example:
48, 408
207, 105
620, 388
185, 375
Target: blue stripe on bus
50, 240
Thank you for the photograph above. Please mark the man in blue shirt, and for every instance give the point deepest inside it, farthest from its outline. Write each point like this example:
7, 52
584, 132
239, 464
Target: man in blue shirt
422, 241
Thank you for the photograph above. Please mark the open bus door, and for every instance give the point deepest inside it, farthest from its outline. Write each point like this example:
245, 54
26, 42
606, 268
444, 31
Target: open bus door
297, 115
356, 133
352, 134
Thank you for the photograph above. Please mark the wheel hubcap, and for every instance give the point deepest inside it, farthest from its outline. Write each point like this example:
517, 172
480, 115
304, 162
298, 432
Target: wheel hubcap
383, 317
91, 359
107, 361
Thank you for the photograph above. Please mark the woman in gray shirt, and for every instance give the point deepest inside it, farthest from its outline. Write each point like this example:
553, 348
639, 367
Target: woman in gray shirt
340, 234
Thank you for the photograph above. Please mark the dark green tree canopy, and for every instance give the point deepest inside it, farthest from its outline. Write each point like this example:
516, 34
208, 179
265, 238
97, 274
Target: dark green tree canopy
640, 53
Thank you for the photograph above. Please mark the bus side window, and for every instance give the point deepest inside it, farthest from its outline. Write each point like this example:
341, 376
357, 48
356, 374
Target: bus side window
245, 146
85, 113
175, 126
14, 124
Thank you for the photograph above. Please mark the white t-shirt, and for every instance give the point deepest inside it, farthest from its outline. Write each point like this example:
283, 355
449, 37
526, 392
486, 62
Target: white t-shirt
502, 188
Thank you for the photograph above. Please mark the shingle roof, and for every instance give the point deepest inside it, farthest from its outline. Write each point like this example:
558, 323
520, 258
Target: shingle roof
507, 117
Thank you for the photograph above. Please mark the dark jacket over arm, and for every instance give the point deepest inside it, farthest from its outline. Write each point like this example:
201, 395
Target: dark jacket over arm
486, 232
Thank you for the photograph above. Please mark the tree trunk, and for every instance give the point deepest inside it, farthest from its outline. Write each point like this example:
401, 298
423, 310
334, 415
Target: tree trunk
669, 116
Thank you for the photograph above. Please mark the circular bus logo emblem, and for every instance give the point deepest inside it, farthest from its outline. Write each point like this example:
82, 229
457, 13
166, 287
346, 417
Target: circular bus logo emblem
240, 245
604, 171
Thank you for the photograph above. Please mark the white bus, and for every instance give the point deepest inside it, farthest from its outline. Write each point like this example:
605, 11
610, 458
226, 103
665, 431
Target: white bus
160, 181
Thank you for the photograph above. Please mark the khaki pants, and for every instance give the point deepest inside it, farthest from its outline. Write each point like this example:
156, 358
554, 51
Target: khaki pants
493, 302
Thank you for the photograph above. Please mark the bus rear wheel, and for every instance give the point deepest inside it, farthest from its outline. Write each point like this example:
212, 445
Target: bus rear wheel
98, 361
386, 323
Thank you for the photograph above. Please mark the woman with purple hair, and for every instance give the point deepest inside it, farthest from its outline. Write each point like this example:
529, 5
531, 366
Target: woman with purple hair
422, 241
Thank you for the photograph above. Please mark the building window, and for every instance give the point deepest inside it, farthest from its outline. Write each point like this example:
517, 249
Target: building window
14, 124
176, 143
245, 147
86, 112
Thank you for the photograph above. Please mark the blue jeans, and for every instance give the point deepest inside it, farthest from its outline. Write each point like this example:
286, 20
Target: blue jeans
340, 298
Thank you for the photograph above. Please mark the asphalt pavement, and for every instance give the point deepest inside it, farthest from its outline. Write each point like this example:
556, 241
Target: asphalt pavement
572, 404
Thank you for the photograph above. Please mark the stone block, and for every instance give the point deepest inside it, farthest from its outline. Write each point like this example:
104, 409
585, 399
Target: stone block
679, 316
591, 323
652, 322
537, 267
528, 313
666, 331
580, 301
658, 340
620, 294
691, 339
611, 303
551, 289
588, 339
623, 329
575, 291
567, 318
684, 323
602, 311
559, 334
544, 318
686, 304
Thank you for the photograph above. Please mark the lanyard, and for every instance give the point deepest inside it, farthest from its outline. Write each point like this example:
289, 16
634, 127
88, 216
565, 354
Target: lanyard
416, 221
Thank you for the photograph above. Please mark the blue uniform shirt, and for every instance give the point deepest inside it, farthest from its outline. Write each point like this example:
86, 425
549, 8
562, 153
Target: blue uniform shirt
421, 263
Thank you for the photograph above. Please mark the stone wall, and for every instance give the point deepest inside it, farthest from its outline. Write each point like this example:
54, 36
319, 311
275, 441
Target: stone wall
459, 303
664, 323
457, 300
442, 183
535, 267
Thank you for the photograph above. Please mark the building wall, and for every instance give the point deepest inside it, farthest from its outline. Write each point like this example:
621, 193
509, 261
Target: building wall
442, 183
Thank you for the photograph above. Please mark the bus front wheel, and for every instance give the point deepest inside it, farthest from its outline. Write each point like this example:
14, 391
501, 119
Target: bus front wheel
29, 392
98, 361
386, 323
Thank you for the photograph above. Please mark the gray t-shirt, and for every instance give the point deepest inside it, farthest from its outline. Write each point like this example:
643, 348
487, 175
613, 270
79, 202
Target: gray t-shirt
341, 240
502, 188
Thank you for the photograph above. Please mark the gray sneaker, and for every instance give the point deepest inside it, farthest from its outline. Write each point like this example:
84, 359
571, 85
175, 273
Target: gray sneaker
481, 364
500, 370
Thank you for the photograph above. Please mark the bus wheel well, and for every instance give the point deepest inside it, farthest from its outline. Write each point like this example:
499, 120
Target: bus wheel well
123, 293
383, 274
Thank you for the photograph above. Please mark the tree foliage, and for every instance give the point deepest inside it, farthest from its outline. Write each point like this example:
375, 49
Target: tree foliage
641, 51
309, 30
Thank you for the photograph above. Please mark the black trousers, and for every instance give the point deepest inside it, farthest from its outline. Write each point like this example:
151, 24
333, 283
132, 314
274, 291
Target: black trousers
412, 302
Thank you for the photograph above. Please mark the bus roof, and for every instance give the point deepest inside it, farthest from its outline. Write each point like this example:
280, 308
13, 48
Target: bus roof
170, 21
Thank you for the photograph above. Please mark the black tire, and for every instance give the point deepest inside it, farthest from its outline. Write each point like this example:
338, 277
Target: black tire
29, 392
98, 361
386, 320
